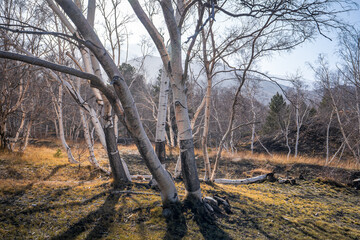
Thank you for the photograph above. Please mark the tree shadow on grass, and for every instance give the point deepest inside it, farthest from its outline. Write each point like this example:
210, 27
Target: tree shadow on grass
103, 217
54, 171
176, 227
207, 224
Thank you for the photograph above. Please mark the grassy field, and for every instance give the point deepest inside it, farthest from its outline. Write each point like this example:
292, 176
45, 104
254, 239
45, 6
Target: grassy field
45, 197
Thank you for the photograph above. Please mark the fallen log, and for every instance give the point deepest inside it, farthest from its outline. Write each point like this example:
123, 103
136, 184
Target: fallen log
356, 184
287, 180
141, 177
261, 178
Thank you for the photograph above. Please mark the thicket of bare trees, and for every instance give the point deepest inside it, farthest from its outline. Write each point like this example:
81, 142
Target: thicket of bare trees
57, 48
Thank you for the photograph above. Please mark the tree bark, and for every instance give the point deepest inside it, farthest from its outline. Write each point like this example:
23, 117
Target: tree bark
132, 119
160, 139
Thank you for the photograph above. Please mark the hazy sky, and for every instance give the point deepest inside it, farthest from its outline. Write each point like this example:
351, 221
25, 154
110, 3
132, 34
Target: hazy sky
288, 63
280, 65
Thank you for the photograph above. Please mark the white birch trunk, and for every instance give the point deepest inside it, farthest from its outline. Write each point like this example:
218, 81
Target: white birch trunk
204, 138
22, 123
189, 169
26, 136
286, 133
61, 126
160, 139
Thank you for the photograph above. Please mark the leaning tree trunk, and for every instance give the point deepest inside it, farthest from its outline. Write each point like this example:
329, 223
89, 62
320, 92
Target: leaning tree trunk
132, 119
92, 159
61, 126
160, 139
118, 167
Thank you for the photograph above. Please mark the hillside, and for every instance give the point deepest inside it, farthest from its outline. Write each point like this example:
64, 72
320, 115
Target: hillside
150, 65
45, 197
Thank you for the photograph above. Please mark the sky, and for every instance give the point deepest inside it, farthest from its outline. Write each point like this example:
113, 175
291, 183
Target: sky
298, 60
279, 65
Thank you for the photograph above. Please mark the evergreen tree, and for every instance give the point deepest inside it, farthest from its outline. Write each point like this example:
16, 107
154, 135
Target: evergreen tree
275, 119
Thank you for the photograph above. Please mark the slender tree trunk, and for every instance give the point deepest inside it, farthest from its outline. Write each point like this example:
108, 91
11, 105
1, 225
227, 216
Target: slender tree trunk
25, 141
228, 130
118, 167
22, 123
341, 125
286, 133
327, 138
61, 127
92, 159
253, 125
160, 139
204, 139
297, 117
56, 128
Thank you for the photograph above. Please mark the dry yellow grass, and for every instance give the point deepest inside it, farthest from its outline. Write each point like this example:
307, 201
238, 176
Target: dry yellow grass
348, 163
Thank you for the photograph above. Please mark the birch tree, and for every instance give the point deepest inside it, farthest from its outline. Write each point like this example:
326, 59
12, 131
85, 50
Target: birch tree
173, 64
